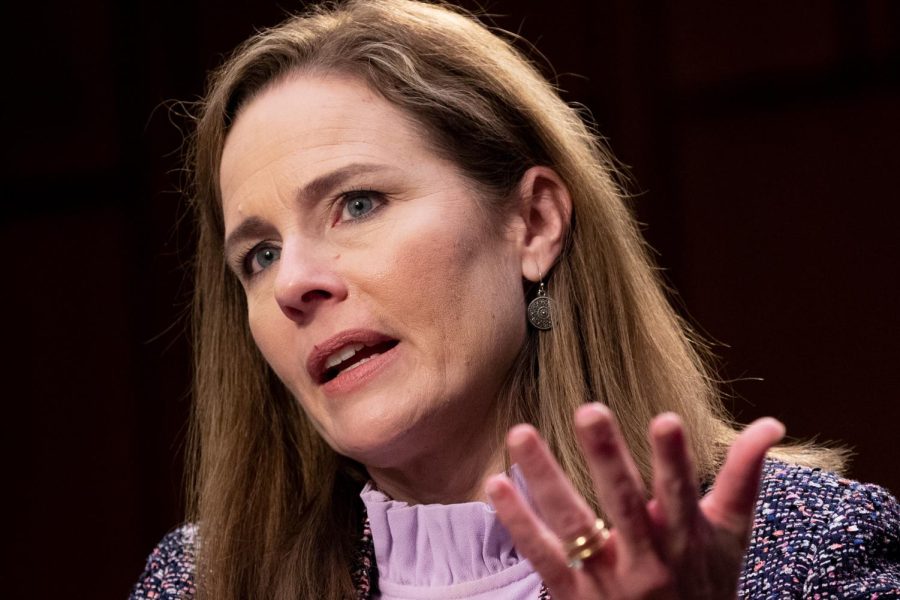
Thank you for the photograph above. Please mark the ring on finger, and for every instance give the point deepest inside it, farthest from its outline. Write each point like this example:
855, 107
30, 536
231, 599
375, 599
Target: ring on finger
584, 546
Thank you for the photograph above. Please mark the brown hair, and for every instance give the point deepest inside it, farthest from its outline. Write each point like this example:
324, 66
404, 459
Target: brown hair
278, 510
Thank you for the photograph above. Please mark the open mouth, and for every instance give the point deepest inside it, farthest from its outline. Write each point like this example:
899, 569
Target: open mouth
353, 355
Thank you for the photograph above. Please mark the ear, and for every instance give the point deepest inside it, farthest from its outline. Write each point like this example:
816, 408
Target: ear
545, 207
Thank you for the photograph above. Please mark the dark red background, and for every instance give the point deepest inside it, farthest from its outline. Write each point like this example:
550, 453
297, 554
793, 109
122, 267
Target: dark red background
762, 138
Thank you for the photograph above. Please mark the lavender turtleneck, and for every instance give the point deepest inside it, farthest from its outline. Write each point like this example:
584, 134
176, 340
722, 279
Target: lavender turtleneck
446, 551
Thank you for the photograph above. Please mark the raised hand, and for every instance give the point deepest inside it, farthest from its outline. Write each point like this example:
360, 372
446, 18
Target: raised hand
675, 545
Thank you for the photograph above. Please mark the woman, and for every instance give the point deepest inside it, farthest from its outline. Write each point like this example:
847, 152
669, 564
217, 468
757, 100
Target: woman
384, 190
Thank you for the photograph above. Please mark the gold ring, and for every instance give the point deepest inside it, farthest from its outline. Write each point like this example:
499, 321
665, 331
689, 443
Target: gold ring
586, 545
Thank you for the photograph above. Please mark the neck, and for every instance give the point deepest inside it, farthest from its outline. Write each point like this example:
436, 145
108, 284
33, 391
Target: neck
446, 473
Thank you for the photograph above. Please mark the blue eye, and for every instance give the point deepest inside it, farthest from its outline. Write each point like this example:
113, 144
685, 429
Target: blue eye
262, 258
360, 204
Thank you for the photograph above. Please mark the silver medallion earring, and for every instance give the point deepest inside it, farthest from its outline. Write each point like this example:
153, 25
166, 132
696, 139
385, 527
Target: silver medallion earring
540, 310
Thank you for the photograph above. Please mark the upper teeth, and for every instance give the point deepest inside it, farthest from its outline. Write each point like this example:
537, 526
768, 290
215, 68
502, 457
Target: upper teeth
343, 354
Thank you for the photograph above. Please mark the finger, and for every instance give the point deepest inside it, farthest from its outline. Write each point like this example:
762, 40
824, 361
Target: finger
674, 480
531, 537
733, 497
556, 499
617, 483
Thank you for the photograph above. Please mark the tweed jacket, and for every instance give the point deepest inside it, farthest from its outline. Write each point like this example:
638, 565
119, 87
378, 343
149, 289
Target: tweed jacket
815, 536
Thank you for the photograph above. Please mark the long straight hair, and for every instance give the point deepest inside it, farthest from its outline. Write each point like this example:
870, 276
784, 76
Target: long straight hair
278, 510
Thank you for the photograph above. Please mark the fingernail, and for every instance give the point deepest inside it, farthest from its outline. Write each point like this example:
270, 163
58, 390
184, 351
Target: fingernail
590, 414
779, 425
519, 435
494, 487
666, 423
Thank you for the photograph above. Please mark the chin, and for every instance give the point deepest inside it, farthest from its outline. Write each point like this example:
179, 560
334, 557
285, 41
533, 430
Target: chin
371, 447
377, 438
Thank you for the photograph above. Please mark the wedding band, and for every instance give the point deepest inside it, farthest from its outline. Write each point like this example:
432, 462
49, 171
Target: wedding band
586, 545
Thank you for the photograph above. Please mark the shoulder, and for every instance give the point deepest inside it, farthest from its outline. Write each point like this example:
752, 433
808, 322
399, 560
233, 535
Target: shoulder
785, 487
824, 502
169, 572
815, 532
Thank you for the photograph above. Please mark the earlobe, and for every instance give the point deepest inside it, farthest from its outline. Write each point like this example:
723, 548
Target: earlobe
546, 210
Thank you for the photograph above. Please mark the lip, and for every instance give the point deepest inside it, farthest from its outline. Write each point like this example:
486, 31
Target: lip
315, 363
355, 378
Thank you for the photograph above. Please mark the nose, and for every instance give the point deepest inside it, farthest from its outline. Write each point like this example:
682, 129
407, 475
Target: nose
306, 281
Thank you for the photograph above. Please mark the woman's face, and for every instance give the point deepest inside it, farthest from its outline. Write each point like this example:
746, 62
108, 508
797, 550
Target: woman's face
375, 287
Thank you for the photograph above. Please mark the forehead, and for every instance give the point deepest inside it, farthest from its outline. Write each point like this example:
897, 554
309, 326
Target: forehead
308, 123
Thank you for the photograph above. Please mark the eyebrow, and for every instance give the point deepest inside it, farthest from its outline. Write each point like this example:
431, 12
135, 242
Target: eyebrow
324, 184
250, 228
254, 227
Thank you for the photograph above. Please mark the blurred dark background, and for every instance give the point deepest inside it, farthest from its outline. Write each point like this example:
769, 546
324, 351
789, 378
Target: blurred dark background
761, 138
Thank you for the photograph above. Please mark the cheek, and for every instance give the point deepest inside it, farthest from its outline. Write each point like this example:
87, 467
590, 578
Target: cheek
454, 283
425, 270
266, 323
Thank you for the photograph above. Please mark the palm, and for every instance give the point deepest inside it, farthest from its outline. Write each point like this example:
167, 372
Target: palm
674, 546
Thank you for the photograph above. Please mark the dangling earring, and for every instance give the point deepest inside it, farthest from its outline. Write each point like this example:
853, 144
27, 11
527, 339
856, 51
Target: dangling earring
540, 310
